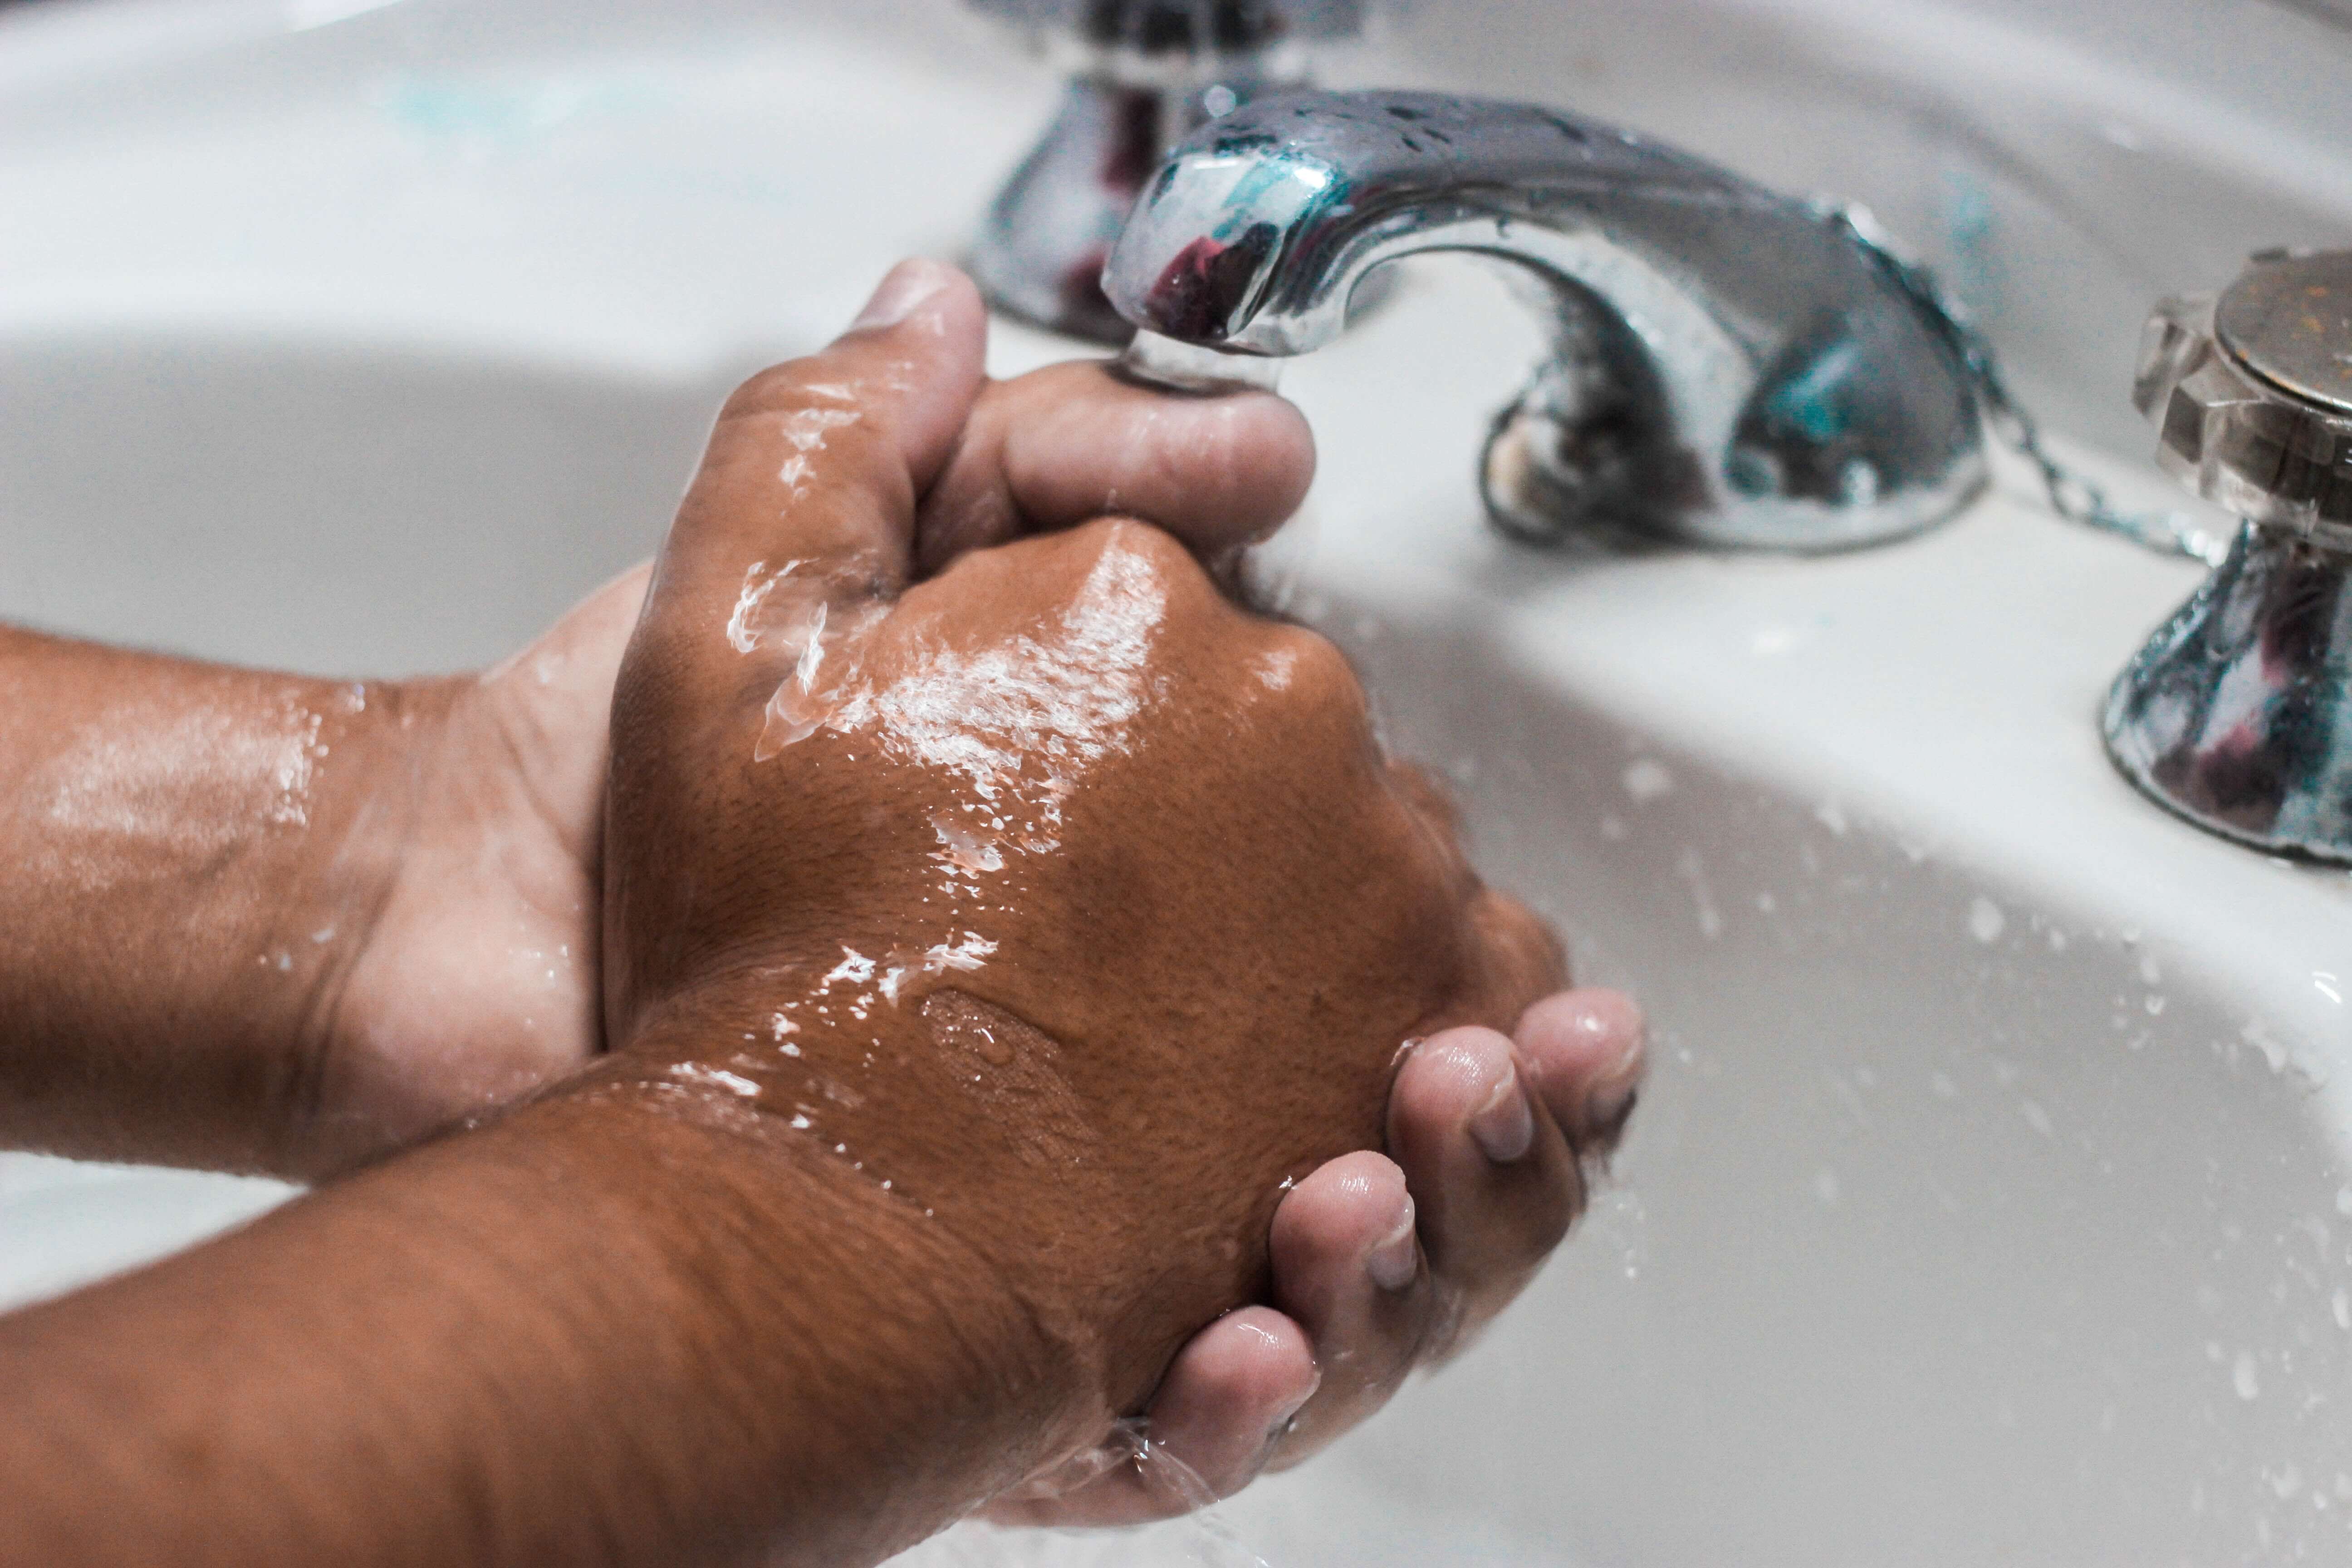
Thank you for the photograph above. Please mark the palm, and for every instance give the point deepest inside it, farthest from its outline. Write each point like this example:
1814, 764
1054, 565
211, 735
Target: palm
478, 980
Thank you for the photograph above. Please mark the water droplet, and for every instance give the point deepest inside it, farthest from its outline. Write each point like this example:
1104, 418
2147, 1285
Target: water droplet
2244, 1376
1710, 917
2255, 1035
1986, 922
1646, 779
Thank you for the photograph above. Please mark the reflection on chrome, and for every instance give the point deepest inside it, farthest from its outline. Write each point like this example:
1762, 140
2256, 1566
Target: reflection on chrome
1727, 367
2238, 714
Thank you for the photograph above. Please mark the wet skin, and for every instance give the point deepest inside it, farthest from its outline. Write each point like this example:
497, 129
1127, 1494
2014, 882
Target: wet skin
1100, 1237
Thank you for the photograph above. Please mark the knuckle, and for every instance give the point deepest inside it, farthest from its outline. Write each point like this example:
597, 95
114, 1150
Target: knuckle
1524, 957
1426, 793
1310, 677
764, 390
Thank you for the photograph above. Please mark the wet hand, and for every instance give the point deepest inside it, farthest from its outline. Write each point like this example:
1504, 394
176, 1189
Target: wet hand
1381, 1265
490, 926
1052, 889
474, 980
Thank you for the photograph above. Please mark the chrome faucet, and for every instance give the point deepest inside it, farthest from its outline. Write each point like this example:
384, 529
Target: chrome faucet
1727, 367
2238, 713
1142, 75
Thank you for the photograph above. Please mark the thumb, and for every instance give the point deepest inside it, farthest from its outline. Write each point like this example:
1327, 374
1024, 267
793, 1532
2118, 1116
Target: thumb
821, 461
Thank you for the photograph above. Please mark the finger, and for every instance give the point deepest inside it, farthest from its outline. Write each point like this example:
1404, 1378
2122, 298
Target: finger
1347, 1268
1494, 1180
1072, 442
1228, 1395
820, 461
1585, 1056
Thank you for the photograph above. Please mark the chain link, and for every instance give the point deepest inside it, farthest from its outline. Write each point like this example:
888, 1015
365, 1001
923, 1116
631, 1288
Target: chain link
2074, 495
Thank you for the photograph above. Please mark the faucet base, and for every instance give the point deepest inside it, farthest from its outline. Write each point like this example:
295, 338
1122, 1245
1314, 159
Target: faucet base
2238, 714
1604, 484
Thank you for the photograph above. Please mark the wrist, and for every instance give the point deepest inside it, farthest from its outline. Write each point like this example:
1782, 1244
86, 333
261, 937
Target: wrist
608, 1328
368, 811
867, 1363
464, 975
963, 1114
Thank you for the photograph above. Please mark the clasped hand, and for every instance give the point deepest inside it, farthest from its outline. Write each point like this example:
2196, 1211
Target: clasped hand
978, 836
922, 865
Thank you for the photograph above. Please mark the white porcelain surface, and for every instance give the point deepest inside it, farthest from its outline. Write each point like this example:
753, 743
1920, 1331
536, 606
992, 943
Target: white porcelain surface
1992, 1199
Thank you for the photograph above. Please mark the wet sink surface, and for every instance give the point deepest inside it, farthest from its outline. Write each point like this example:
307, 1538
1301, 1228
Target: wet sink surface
1990, 1203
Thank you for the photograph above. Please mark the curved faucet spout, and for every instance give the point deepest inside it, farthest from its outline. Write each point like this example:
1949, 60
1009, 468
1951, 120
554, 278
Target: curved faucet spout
1728, 366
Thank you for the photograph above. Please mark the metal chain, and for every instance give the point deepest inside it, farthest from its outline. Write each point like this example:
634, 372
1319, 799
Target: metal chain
2074, 495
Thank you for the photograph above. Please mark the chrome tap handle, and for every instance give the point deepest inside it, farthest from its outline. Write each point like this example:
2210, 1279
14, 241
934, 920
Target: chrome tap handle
1728, 366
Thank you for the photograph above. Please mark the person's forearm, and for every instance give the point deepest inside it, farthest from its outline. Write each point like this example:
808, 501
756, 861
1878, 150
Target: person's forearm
619, 1327
185, 845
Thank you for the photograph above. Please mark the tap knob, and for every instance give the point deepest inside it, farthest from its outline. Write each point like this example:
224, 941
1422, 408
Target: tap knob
2252, 392
2238, 713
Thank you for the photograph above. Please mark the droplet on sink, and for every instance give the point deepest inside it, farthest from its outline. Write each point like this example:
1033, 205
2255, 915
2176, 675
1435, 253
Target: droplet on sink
1710, 917
2341, 1305
1646, 779
1986, 922
1825, 1186
2245, 1378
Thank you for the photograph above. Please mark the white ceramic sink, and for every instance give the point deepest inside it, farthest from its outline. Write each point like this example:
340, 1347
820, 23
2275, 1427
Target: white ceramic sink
1993, 1201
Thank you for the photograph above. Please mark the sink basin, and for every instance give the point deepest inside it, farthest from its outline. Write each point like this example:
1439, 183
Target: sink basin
1992, 1199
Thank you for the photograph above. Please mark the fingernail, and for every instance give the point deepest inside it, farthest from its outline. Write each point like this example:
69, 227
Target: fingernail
1394, 1262
1504, 1126
1606, 1111
1283, 1421
1611, 1098
909, 284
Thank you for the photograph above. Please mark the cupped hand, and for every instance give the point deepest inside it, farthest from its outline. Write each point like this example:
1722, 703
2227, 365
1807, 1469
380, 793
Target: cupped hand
479, 979
973, 877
